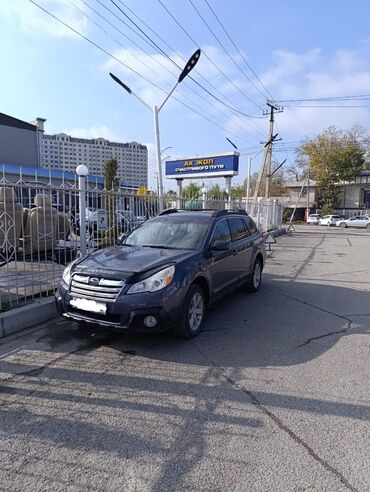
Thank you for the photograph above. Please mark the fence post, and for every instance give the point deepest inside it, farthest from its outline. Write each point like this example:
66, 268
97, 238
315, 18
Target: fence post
204, 198
82, 171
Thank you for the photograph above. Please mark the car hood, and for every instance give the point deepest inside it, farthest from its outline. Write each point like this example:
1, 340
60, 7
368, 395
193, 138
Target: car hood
127, 261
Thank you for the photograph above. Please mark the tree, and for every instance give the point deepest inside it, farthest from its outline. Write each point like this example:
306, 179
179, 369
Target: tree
111, 182
333, 156
215, 193
238, 192
142, 191
192, 190
277, 183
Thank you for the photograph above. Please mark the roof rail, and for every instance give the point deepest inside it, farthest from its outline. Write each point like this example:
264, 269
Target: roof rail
219, 213
168, 211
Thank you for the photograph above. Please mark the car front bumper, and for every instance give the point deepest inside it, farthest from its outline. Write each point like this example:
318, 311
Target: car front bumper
127, 313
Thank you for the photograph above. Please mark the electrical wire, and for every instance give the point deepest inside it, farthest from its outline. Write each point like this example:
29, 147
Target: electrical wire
155, 45
205, 54
225, 50
365, 97
123, 64
183, 59
238, 50
141, 61
325, 106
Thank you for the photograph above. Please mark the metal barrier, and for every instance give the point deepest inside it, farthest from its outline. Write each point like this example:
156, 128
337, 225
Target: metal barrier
42, 228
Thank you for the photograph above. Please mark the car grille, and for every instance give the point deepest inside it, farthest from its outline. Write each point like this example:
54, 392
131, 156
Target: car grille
94, 288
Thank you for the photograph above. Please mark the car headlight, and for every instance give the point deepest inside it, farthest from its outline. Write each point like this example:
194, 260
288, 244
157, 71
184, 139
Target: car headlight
155, 282
67, 273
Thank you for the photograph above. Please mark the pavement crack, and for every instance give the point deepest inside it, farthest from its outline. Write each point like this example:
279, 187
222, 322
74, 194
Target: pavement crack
255, 401
339, 332
306, 303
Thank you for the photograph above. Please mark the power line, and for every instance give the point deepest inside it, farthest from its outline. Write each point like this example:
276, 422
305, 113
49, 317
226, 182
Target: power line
328, 98
205, 54
199, 74
126, 66
238, 50
325, 106
151, 43
225, 50
127, 37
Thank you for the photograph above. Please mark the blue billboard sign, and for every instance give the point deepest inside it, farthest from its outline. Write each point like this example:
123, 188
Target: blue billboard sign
203, 167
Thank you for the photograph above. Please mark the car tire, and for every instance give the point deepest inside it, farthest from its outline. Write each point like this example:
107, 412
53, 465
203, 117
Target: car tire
254, 282
367, 226
343, 224
193, 314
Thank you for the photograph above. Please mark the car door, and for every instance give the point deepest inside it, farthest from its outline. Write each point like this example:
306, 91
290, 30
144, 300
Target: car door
242, 246
355, 221
222, 265
362, 221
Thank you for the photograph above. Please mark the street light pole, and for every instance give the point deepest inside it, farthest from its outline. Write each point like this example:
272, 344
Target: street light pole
155, 110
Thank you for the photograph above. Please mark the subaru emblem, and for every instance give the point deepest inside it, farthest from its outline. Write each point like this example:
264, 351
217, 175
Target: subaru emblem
93, 281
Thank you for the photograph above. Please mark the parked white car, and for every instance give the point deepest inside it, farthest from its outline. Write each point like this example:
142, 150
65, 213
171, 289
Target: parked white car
360, 221
313, 218
329, 220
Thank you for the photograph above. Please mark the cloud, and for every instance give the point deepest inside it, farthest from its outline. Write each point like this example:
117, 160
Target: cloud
315, 74
95, 131
29, 18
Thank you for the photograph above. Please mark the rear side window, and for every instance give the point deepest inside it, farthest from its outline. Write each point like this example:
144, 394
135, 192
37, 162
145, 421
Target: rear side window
238, 229
221, 232
251, 226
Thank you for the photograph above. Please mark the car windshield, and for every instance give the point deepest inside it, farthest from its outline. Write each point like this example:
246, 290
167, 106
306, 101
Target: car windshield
169, 232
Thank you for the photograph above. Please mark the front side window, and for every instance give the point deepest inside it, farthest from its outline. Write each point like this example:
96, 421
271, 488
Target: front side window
251, 226
237, 228
221, 232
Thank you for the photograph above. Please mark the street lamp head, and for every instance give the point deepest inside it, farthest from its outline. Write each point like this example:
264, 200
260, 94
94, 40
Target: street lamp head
190, 65
119, 82
82, 170
232, 143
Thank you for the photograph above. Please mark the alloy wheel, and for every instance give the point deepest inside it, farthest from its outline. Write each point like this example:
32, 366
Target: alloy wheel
196, 311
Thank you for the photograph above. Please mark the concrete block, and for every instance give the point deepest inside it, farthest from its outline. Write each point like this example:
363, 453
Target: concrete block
26, 316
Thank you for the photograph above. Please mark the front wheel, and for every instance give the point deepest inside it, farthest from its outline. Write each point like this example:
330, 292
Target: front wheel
367, 226
193, 315
343, 224
254, 282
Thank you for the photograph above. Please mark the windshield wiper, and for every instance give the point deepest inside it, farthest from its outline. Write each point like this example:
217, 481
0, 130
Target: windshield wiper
159, 246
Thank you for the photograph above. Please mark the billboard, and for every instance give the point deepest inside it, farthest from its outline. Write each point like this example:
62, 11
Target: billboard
203, 167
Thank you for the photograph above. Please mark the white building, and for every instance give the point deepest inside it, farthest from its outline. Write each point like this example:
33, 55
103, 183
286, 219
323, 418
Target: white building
63, 152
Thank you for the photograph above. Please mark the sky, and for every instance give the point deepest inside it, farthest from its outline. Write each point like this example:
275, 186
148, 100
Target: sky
251, 52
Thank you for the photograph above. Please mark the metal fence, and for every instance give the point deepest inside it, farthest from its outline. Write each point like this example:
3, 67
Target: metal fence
42, 228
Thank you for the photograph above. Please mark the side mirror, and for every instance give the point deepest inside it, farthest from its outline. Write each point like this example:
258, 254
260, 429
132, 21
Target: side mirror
220, 245
121, 238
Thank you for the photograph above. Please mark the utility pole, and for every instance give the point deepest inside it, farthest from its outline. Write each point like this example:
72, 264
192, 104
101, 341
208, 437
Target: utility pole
265, 170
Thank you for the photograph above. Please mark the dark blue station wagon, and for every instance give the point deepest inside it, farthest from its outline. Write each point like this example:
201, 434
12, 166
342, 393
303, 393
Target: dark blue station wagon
165, 273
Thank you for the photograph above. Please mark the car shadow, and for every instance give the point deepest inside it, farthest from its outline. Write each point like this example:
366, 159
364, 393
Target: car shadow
285, 323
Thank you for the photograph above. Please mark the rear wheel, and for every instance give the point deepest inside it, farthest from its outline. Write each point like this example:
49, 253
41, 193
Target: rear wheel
343, 224
254, 282
193, 313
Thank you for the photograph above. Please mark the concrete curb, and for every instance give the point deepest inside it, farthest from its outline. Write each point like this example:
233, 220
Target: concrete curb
26, 316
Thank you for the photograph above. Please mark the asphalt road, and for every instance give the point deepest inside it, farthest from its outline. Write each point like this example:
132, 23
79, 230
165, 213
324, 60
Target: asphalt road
272, 396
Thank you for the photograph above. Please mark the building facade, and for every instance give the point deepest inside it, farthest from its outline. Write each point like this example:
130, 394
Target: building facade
354, 194
19, 142
63, 152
